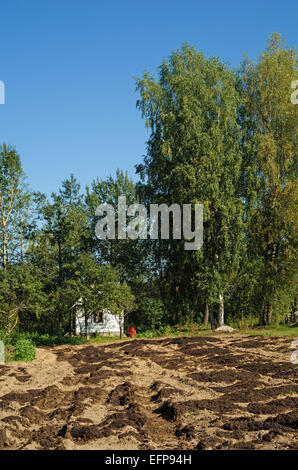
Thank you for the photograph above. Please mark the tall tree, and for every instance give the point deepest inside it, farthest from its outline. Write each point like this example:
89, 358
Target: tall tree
60, 237
127, 256
269, 172
20, 292
14, 205
193, 158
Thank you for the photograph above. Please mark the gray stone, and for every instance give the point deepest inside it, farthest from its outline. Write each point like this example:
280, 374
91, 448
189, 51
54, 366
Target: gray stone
226, 328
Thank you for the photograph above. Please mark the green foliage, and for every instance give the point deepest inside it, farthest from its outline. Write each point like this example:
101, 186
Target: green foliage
59, 238
165, 330
269, 175
127, 256
191, 110
15, 202
20, 291
151, 312
222, 138
24, 350
3, 336
96, 287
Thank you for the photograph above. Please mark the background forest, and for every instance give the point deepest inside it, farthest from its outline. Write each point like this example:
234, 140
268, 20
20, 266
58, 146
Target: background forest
219, 137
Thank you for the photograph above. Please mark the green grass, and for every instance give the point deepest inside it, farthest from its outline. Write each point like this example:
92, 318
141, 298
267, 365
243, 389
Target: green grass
104, 339
56, 340
281, 330
194, 329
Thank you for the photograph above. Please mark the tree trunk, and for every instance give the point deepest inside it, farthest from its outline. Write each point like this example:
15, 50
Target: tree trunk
121, 321
86, 328
262, 321
206, 316
60, 261
71, 324
4, 254
22, 254
211, 315
269, 315
221, 311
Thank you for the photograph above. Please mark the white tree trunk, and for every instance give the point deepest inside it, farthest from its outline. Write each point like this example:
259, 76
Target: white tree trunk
221, 312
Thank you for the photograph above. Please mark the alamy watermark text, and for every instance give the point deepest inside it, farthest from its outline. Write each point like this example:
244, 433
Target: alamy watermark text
158, 225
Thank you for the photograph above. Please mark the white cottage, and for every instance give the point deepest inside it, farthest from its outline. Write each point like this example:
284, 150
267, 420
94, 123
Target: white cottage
103, 323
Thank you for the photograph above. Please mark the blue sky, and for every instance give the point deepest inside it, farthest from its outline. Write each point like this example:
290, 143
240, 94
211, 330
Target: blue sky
68, 68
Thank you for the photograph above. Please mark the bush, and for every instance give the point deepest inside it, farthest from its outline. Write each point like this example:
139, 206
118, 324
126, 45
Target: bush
146, 333
3, 336
150, 314
165, 330
43, 339
24, 350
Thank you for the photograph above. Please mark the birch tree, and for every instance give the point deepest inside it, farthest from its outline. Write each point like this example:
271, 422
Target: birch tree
14, 205
193, 157
269, 172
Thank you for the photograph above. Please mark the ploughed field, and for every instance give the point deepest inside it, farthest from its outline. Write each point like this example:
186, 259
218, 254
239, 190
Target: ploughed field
215, 392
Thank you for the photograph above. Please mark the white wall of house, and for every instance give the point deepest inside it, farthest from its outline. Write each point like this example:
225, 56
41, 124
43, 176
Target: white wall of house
110, 324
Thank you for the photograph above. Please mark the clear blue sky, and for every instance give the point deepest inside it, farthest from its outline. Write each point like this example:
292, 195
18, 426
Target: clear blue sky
68, 67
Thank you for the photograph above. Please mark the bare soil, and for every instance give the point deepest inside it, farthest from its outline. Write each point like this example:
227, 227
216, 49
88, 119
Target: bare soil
216, 392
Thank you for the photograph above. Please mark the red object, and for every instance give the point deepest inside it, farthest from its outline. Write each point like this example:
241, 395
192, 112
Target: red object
132, 331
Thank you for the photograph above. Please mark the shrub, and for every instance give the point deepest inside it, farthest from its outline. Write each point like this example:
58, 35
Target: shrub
165, 330
146, 334
3, 336
24, 350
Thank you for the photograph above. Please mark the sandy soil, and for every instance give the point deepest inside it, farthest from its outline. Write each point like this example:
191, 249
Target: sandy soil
215, 392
